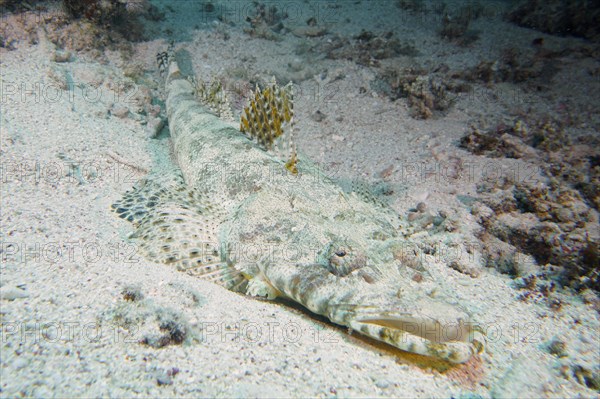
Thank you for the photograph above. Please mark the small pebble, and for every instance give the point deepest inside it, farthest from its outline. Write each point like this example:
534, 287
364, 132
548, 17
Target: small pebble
564, 215
463, 268
557, 348
61, 56
12, 293
387, 172
20, 363
153, 110
426, 220
382, 384
318, 116
154, 126
412, 216
164, 379
119, 110
421, 207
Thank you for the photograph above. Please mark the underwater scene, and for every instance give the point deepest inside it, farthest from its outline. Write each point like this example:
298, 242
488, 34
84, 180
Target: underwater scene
300, 198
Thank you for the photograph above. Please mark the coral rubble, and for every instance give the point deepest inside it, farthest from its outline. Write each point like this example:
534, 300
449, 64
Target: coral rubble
367, 48
427, 95
552, 223
560, 17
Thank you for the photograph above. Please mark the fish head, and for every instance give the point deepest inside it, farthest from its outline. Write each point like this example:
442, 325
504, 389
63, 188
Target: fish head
370, 294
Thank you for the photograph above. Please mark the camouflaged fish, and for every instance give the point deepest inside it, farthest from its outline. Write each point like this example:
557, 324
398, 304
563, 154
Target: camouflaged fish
235, 214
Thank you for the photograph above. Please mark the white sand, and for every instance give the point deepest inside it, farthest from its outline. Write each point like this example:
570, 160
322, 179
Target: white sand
66, 260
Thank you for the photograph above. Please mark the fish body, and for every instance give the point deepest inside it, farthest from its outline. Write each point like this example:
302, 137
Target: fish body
232, 213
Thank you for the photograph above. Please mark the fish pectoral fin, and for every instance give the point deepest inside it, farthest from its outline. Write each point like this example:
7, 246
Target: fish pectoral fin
158, 188
259, 286
177, 226
187, 239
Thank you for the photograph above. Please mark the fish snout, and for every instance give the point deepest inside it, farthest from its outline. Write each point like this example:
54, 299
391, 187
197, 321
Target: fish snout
448, 338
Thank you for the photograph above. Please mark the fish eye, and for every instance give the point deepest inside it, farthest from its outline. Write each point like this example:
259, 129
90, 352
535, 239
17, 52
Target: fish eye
340, 253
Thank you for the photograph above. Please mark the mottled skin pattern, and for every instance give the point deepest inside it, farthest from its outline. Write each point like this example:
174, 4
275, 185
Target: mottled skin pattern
300, 237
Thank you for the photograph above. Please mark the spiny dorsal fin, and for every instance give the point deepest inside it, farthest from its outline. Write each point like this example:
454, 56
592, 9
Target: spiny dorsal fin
269, 119
213, 95
163, 59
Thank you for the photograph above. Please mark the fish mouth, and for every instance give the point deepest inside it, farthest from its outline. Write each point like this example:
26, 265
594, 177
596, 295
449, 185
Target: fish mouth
431, 330
455, 342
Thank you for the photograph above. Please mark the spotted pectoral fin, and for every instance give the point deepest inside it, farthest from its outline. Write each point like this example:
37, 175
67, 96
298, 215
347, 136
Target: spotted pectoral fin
177, 226
186, 238
155, 190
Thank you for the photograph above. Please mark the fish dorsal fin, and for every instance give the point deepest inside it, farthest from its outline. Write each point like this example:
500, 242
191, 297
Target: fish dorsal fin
164, 58
178, 226
269, 119
213, 95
